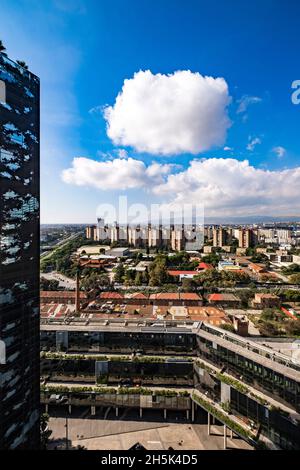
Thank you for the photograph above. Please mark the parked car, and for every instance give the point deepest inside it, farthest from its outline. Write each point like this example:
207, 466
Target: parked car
54, 398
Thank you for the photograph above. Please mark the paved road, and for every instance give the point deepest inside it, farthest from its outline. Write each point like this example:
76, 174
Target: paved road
60, 244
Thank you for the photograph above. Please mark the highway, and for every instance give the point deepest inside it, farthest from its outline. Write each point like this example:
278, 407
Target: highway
59, 245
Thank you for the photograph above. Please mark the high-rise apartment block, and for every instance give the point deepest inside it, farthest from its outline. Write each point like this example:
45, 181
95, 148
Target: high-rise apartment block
221, 237
247, 238
176, 237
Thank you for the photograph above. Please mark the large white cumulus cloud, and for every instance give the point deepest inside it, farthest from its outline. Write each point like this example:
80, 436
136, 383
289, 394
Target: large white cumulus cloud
183, 112
225, 186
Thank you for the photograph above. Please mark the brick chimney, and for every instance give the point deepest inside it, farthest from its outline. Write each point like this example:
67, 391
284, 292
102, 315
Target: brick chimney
77, 293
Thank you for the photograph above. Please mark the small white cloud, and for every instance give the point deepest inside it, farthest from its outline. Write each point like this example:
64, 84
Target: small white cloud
96, 110
115, 174
252, 143
227, 149
245, 102
279, 151
183, 112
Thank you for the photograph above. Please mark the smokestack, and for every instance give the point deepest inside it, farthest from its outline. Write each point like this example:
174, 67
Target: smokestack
77, 293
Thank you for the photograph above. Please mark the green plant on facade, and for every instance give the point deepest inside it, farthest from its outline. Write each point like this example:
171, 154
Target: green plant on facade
223, 418
102, 379
234, 383
204, 366
261, 400
82, 357
110, 390
226, 406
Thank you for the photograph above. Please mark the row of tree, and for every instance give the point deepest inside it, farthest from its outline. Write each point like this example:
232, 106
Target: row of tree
20, 62
272, 322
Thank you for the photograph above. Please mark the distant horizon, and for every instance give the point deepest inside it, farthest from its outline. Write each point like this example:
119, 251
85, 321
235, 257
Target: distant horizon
218, 220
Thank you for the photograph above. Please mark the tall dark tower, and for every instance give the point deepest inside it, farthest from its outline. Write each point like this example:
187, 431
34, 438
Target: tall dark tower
19, 256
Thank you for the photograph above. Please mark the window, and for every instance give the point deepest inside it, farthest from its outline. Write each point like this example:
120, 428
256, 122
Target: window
2, 92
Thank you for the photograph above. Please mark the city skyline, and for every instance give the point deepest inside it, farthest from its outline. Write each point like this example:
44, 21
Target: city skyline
229, 140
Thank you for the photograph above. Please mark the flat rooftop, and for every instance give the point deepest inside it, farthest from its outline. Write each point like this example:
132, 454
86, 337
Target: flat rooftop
279, 362
247, 351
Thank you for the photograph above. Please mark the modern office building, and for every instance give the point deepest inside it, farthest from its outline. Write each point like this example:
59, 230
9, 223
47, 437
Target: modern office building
253, 382
19, 248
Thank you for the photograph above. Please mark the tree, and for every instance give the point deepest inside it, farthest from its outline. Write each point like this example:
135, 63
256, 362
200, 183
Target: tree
120, 273
245, 296
139, 256
291, 295
268, 314
293, 327
188, 284
129, 278
181, 260
2, 48
145, 277
138, 278
213, 278
22, 64
49, 284
227, 327
95, 281
45, 432
295, 279
291, 269
158, 271
212, 258
267, 328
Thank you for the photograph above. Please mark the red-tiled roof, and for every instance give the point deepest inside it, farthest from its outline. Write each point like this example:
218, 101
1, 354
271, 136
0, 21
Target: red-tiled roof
175, 296
222, 297
138, 295
60, 293
110, 295
268, 274
165, 296
189, 296
203, 265
256, 267
215, 297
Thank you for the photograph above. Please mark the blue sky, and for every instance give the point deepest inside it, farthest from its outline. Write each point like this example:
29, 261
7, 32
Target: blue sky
84, 50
